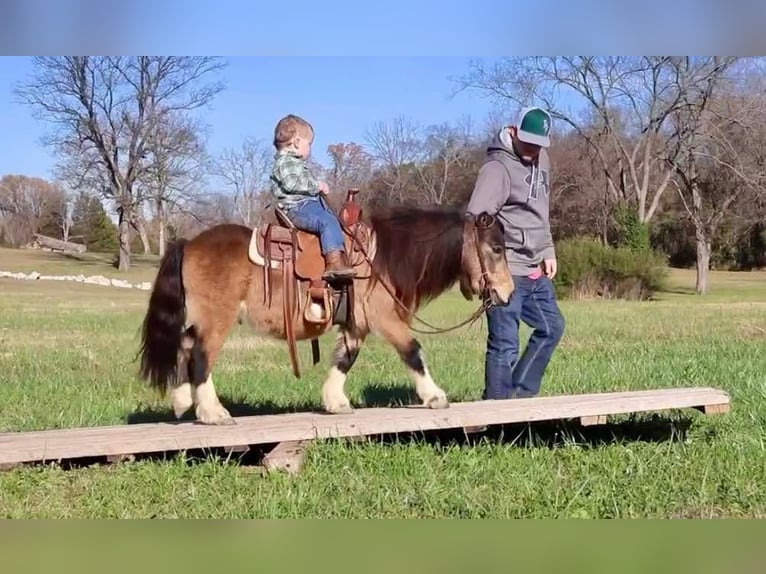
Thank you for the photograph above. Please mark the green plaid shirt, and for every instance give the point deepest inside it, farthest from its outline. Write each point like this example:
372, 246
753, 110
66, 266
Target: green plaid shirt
291, 180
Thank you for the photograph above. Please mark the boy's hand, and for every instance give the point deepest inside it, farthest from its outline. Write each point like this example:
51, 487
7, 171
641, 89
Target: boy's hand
324, 189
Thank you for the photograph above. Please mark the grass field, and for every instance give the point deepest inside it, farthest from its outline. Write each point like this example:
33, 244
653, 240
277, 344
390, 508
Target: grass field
66, 353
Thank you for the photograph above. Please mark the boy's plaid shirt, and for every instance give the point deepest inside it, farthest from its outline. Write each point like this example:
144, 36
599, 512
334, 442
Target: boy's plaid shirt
291, 180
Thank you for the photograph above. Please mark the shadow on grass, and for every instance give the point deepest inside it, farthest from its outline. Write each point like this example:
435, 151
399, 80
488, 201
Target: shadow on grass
640, 427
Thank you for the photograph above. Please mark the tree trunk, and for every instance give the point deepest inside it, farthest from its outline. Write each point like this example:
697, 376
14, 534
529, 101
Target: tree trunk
703, 260
144, 237
124, 237
161, 224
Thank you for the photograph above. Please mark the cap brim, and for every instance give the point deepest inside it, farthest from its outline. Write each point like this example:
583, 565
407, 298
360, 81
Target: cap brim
533, 139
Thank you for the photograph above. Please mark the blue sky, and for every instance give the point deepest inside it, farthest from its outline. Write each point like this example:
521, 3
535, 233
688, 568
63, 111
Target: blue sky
341, 96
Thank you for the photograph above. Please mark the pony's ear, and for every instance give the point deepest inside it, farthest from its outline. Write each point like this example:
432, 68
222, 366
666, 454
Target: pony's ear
485, 220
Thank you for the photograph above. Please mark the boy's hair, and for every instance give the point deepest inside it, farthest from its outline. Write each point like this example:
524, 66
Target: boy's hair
287, 128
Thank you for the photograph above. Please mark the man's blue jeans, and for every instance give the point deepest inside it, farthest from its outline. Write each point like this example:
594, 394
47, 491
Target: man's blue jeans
313, 216
534, 302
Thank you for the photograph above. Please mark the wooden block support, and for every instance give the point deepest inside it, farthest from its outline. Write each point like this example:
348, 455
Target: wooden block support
287, 456
593, 420
716, 409
292, 428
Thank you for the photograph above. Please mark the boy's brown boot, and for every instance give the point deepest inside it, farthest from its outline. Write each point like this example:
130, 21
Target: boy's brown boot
336, 268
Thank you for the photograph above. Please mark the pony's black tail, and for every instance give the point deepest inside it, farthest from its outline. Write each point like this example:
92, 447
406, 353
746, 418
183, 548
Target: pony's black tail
162, 330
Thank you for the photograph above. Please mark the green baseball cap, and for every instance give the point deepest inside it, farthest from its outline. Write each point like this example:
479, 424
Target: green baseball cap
535, 126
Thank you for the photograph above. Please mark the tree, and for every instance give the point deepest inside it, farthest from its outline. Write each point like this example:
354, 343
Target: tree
104, 112
27, 204
394, 147
176, 169
350, 167
445, 150
719, 141
628, 99
91, 225
246, 171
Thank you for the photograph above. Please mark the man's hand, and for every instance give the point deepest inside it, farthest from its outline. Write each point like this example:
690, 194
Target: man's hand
550, 267
324, 189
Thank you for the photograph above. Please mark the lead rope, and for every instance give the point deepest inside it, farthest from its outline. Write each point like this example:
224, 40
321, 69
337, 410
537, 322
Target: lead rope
486, 302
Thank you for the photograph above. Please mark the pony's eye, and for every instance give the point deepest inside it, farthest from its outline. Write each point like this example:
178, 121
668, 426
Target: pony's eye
497, 249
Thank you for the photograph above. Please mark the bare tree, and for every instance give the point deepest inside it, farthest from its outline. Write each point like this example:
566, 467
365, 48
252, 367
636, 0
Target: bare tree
629, 99
719, 142
350, 167
395, 147
104, 111
26, 205
246, 171
176, 171
445, 150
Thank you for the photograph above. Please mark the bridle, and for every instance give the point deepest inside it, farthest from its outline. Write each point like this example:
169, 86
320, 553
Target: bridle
484, 282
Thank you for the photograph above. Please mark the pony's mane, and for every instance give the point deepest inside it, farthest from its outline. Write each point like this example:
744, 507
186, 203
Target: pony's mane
418, 249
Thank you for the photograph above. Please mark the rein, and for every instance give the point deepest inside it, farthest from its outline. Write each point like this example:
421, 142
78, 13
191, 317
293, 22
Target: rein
486, 302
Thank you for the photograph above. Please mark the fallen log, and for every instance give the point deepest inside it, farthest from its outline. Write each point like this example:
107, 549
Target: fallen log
57, 244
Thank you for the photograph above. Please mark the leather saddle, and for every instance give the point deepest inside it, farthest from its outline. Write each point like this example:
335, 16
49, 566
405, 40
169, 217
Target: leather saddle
280, 246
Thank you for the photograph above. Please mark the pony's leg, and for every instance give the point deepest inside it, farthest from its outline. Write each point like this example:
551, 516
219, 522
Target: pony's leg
208, 407
396, 332
346, 351
181, 395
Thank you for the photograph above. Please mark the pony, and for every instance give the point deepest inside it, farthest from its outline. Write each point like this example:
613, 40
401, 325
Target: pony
206, 284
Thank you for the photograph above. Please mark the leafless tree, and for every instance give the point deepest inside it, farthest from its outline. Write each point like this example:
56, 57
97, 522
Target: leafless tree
176, 171
26, 204
719, 145
394, 146
350, 167
629, 99
104, 111
445, 150
246, 172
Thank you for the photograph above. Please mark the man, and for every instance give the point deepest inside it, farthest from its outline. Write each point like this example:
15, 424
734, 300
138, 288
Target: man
514, 183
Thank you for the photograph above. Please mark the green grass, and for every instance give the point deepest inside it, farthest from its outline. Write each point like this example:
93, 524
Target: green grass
66, 354
143, 267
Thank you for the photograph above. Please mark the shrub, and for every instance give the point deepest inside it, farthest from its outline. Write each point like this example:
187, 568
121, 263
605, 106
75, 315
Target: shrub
587, 268
629, 231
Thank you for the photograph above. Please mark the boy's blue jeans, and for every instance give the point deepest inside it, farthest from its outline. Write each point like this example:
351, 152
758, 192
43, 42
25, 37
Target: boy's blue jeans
534, 302
313, 216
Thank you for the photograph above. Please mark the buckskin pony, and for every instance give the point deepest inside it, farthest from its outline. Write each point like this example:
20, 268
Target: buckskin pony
404, 257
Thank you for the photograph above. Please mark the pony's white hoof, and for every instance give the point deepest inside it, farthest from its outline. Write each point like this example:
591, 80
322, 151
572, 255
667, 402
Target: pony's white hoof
438, 402
339, 408
182, 400
217, 415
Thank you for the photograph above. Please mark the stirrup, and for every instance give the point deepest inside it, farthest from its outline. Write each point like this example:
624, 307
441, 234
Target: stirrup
326, 310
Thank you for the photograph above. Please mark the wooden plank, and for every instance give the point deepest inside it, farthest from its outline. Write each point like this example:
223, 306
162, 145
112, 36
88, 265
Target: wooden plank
53, 445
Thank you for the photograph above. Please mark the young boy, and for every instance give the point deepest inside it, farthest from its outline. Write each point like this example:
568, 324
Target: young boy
299, 195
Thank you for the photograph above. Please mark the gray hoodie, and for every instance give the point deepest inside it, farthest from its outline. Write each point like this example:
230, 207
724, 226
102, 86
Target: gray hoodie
519, 195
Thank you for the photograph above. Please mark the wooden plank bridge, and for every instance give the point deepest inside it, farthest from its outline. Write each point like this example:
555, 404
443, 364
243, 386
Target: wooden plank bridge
291, 430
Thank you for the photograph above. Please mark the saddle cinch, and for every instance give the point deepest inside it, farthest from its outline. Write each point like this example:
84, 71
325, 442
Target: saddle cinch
281, 246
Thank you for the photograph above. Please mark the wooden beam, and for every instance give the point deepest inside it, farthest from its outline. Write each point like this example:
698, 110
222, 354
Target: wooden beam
593, 420
287, 456
122, 440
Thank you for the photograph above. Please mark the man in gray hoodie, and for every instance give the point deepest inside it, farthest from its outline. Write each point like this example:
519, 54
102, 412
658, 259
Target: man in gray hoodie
514, 184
